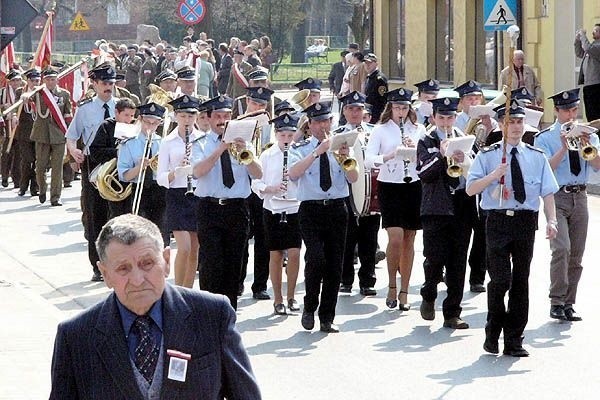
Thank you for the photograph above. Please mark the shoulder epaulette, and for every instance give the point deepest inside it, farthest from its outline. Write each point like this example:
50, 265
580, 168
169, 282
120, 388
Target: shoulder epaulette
369, 125
542, 131
534, 148
125, 140
340, 129
84, 101
300, 144
492, 147
203, 136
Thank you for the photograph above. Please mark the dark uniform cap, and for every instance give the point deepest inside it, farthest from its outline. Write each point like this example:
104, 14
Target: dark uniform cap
152, 110
32, 73
236, 51
515, 110
120, 76
399, 96
521, 94
370, 57
283, 106
49, 72
166, 74
566, 99
428, 86
260, 94
368, 109
185, 103
133, 47
13, 74
314, 85
285, 123
219, 103
186, 74
318, 111
354, 99
258, 74
445, 105
469, 88
170, 49
104, 72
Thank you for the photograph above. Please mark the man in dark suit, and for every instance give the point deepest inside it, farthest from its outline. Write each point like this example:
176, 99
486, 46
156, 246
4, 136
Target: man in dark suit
336, 75
149, 339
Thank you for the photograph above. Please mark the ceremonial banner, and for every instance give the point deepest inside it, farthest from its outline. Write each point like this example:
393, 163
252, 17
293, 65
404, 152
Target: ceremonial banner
43, 54
7, 60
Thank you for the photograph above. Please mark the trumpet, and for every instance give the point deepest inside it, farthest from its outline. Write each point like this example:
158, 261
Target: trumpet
244, 156
407, 178
577, 139
454, 169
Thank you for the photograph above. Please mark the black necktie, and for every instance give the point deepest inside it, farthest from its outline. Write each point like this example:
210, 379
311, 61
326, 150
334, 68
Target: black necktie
226, 170
106, 111
147, 350
517, 177
574, 162
324, 174
148, 175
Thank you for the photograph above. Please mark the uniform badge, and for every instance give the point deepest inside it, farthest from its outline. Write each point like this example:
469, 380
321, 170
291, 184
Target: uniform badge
355, 97
286, 119
110, 71
471, 83
513, 106
381, 90
310, 81
524, 91
259, 91
447, 101
185, 99
431, 82
565, 95
318, 107
152, 108
401, 92
221, 99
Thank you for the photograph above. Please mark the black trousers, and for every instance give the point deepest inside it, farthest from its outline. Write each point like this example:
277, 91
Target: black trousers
591, 99
509, 238
10, 162
27, 168
95, 213
477, 260
223, 233
361, 231
152, 206
261, 253
445, 244
323, 230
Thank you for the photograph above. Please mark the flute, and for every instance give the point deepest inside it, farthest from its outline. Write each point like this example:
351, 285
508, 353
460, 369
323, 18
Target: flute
188, 153
407, 178
284, 180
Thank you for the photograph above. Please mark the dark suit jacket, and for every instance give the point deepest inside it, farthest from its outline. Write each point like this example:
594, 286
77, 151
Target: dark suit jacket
336, 77
91, 358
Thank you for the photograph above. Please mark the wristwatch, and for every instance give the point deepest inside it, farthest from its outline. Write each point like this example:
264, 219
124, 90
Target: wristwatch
315, 155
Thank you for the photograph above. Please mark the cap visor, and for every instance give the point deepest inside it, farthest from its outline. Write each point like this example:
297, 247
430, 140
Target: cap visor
321, 117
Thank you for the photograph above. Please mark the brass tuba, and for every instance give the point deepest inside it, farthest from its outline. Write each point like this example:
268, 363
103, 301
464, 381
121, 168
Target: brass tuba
301, 99
160, 96
109, 186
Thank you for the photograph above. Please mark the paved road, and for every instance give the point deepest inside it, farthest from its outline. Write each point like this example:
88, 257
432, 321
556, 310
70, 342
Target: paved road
380, 354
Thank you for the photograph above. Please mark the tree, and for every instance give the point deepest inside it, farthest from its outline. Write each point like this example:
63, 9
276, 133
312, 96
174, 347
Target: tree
359, 24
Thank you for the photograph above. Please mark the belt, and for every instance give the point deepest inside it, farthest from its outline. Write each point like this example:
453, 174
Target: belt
513, 213
222, 202
326, 202
573, 188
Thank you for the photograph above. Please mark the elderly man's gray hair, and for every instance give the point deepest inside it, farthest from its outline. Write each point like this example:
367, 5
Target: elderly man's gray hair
127, 229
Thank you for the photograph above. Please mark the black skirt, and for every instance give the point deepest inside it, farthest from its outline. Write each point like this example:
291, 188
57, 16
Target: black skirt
400, 205
181, 210
281, 236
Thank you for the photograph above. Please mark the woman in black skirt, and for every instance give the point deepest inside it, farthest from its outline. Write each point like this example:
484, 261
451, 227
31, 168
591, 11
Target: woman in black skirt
392, 149
173, 171
280, 213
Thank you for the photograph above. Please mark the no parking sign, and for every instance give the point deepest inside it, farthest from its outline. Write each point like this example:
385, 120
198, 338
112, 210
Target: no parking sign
191, 12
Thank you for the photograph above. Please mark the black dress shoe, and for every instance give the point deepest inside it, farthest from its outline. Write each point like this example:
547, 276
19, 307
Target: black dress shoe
329, 327
56, 203
34, 193
427, 310
557, 312
345, 288
379, 256
42, 198
491, 346
368, 291
571, 314
516, 351
97, 277
21, 193
455, 323
477, 288
261, 295
4, 182
308, 320
240, 290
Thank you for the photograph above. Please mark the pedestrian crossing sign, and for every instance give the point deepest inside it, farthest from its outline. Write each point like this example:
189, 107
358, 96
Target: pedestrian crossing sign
79, 23
499, 14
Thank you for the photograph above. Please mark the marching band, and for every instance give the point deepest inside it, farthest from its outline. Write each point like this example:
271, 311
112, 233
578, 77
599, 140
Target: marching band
293, 182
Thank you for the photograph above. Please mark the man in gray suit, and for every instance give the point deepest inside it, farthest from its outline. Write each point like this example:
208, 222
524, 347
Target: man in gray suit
148, 339
589, 74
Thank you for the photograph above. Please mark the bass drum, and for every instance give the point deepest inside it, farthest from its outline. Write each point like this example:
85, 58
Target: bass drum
94, 175
360, 191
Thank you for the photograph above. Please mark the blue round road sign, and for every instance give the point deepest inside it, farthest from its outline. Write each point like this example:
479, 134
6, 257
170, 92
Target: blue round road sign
191, 11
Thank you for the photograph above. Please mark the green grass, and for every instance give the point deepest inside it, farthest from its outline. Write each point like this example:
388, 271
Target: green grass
317, 68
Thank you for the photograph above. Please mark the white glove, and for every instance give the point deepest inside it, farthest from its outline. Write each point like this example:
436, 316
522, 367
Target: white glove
183, 171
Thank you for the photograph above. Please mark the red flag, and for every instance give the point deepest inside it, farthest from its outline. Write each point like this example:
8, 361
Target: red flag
68, 82
7, 61
43, 53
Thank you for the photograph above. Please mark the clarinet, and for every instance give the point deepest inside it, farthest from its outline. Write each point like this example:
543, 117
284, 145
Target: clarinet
284, 181
407, 178
188, 153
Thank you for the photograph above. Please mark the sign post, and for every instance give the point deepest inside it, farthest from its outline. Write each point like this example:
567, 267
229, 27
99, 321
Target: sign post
79, 23
499, 14
191, 12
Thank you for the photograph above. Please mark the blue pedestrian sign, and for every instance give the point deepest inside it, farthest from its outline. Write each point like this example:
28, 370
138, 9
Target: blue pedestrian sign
499, 14
191, 11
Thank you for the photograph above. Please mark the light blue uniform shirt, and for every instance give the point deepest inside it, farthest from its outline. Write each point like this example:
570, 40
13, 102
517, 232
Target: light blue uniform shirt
537, 176
309, 187
87, 120
211, 184
131, 152
549, 141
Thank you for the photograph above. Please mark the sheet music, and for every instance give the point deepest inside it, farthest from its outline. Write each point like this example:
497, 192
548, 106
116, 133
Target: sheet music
532, 117
338, 140
407, 153
126, 131
463, 143
243, 129
481, 110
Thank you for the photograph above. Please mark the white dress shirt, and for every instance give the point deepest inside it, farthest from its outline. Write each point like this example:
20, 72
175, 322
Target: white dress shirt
386, 138
172, 151
272, 165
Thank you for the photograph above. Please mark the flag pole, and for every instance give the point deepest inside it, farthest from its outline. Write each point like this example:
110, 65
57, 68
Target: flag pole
42, 38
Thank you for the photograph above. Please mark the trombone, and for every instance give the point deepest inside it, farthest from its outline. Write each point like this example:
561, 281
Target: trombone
577, 139
137, 196
454, 169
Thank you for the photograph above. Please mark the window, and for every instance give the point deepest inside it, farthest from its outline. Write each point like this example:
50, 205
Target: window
397, 39
117, 12
444, 41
